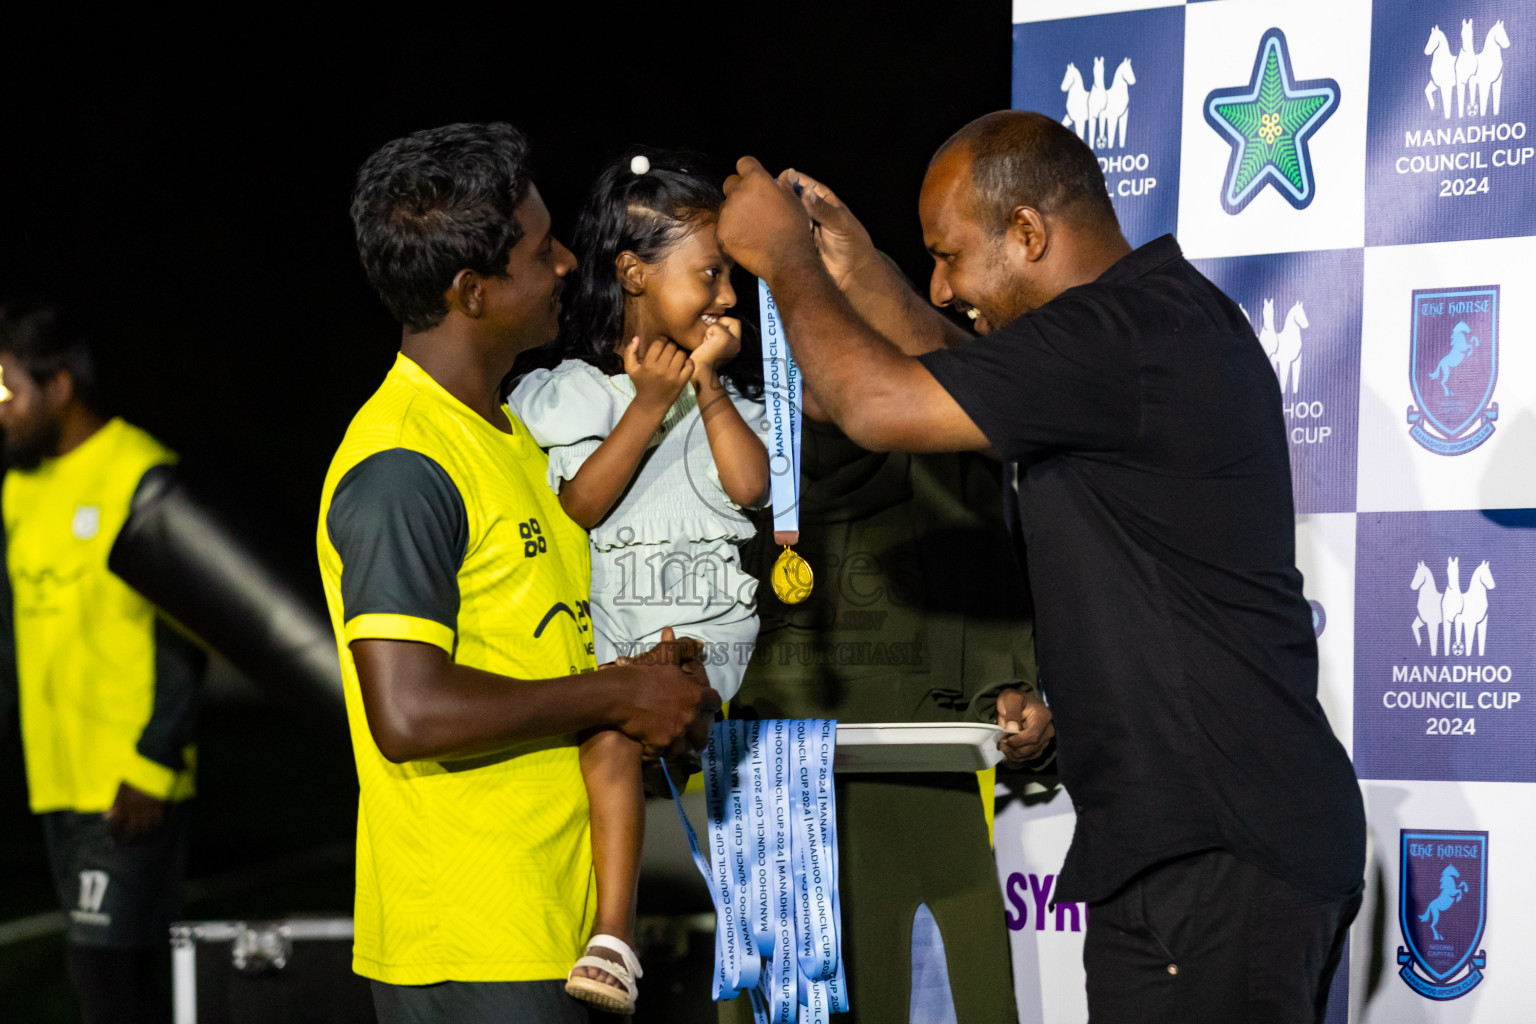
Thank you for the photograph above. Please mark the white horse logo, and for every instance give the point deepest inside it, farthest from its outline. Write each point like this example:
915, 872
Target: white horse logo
1466, 65
1442, 69
1429, 608
1267, 336
1099, 114
1283, 347
1489, 76
1288, 347
1451, 602
1480, 74
1098, 99
1462, 616
1116, 105
1473, 619
1077, 100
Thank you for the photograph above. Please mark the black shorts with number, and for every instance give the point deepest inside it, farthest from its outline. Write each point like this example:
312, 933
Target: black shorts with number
117, 894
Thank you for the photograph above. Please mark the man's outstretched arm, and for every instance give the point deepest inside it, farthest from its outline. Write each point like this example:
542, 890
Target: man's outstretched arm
882, 398
873, 285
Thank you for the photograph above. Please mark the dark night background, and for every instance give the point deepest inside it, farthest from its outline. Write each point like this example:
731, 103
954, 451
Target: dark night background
183, 188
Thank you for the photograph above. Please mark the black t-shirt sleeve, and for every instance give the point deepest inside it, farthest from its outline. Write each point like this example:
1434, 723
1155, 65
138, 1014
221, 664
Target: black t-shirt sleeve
180, 667
1058, 379
399, 524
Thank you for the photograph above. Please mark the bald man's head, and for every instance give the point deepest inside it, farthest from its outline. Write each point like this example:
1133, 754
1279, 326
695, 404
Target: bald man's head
1021, 158
1014, 212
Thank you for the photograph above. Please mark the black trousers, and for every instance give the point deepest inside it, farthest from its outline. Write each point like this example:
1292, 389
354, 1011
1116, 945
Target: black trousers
480, 1002
1210, 939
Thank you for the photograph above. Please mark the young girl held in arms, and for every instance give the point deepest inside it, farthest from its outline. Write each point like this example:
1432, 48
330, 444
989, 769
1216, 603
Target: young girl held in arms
651, 430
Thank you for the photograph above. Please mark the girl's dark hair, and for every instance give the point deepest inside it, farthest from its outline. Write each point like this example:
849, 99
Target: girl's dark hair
646, 214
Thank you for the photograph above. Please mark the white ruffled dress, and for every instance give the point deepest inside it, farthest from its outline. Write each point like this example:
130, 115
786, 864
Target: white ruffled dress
667, 554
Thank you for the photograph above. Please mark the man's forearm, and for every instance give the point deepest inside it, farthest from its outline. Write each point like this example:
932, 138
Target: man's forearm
422, 706
882, 398
881, 294
854, 371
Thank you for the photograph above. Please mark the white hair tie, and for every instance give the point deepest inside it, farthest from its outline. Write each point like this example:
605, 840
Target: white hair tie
639, 165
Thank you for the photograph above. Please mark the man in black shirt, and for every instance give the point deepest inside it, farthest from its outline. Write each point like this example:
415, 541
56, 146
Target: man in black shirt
1220, 832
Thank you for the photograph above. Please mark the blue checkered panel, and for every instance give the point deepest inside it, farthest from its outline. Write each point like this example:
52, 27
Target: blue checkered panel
1361, 178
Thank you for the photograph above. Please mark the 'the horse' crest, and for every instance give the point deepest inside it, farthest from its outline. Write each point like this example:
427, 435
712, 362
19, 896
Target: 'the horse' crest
1442, 910
1453, 365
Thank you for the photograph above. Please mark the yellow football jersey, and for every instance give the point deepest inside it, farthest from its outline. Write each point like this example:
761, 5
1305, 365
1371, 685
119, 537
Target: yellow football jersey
438, 528
85, 640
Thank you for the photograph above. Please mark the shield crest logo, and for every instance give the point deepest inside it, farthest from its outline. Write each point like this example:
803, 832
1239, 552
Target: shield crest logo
87, 521
1453, 365
1442, 909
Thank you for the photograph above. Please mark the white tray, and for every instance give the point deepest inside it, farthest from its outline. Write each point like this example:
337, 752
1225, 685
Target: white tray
917, 747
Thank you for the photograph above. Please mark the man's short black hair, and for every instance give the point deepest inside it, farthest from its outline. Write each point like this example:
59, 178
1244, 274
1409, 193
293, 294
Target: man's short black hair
1021, 158
434, 203
46, 343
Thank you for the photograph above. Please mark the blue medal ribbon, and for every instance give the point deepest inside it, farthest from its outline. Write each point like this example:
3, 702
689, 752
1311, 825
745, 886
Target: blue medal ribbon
826, 819
737, 801
760, 861
784, 977
736, 958
781, 397
817, 948
772, 867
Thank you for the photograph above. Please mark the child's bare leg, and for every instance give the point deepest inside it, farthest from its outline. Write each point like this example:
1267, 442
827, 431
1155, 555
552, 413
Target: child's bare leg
610, 767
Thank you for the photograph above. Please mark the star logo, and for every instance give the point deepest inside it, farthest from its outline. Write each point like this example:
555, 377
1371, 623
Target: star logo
1268, 123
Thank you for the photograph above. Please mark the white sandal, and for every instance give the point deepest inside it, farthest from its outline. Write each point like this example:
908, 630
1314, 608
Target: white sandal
607, 997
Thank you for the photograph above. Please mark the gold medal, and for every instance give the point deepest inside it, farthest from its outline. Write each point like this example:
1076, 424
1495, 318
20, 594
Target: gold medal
792, 577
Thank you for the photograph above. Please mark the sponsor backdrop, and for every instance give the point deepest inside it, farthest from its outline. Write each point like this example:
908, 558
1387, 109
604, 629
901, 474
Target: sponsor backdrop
1361, 178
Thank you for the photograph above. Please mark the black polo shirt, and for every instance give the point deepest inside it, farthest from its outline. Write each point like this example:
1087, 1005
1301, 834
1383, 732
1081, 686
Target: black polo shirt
1175, 648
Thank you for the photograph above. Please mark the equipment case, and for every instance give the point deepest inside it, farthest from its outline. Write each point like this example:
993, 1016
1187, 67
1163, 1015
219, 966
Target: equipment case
267, 972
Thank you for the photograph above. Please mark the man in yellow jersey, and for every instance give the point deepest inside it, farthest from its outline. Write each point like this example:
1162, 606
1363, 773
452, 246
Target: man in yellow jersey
107, 690
458, 590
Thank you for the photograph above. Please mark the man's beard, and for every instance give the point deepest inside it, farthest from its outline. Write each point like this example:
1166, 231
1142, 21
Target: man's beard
1009, 299
27, 451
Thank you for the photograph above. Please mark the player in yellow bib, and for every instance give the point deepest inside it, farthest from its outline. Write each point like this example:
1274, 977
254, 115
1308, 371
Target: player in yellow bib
107, 690
458, 591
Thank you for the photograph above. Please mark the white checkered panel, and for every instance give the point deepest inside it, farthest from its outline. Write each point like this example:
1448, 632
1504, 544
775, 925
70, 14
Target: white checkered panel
1361, 178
